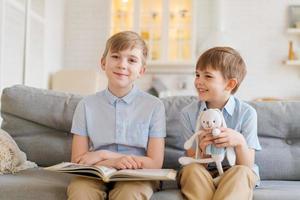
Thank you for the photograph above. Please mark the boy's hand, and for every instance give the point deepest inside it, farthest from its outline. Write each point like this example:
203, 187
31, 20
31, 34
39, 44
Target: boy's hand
127, 162
205, 138
90, 157
229, 138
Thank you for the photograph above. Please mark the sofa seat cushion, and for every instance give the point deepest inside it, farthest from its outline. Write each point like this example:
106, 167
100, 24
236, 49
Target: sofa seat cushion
275, 190
278, 190
34, 184
172, 194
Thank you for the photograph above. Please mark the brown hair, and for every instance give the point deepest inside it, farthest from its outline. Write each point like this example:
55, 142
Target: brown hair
226, 60
124, 40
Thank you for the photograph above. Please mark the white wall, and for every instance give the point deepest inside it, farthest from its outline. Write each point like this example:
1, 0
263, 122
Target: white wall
256, 28
87, 28
54, 37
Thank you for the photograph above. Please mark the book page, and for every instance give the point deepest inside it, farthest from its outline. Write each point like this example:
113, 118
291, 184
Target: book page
145, 174
106, 171
74, 167
110, 174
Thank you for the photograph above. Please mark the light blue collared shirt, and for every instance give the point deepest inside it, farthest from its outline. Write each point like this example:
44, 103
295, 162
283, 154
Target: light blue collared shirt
238, 115
121, 125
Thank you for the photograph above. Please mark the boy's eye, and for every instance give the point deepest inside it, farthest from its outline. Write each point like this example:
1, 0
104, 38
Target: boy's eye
114, 56
208, 76
197, 75
132, 60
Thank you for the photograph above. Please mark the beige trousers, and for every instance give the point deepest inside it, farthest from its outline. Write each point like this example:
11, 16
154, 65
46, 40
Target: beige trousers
82, 188
197, 183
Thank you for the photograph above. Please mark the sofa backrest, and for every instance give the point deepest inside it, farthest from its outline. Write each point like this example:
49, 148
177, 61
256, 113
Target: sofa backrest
40, 122
174, 140
279, 136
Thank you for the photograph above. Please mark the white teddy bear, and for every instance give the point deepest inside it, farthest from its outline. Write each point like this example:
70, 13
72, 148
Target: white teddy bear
210, 119
12, 159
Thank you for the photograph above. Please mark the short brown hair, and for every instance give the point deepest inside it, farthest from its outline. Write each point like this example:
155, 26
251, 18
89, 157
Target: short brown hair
226, 60
124, 40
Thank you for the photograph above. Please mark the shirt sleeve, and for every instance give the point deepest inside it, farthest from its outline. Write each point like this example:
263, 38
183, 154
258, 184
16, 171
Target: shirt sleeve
249, 129
158, 122
187, 127
186, 124
79, 126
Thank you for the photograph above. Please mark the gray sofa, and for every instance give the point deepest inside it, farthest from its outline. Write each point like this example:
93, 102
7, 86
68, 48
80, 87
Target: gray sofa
40, 121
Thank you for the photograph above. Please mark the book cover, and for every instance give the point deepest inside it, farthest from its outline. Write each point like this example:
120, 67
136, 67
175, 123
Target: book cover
107, 174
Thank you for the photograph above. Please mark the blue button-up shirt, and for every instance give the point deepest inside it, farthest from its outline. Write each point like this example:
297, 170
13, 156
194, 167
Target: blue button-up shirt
121, 125
238, 115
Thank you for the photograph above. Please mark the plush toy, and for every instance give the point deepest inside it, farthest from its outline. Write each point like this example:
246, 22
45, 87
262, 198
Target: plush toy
210, 119
12, 159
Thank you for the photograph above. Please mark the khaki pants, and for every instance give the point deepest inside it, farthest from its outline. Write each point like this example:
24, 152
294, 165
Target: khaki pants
87, 188
197, 183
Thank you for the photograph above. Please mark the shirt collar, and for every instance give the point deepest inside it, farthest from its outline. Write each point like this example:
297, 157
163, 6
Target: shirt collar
202, 106
127, 98
229, 106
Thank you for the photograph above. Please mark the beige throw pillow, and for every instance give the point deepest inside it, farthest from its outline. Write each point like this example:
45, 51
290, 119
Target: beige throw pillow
12, 159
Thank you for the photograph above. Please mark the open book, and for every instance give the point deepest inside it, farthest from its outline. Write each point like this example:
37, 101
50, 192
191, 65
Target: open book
107, 174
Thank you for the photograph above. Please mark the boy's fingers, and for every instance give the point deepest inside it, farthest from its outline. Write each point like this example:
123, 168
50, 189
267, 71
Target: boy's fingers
127, 164
204, 145
77, 160
220, 140
223, 128
202, 134
121, 163
120, 166
208, 138
225, 144
132, 162
137, 161
124, 161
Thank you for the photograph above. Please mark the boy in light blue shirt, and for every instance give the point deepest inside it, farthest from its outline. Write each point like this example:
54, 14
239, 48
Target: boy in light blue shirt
219, 72
120, 127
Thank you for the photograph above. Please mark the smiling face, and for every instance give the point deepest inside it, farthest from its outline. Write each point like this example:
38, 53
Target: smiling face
212, 87
122, 68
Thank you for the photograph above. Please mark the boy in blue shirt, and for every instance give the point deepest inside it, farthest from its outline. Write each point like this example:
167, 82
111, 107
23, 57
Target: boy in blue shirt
120, 127
219, 73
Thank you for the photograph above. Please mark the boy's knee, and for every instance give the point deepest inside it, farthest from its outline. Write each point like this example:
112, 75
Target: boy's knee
241, 172
132, 190
85, 187
241, 169
82, 183
192, 168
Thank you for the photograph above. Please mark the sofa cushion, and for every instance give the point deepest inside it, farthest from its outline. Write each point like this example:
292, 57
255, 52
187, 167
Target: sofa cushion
34, 184
279, 136
45, 107
172, 194
174, 140
277, 190
39, 121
